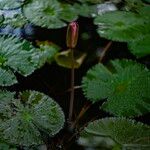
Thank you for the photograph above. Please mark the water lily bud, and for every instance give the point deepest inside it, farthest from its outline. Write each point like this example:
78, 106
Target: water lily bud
72, 35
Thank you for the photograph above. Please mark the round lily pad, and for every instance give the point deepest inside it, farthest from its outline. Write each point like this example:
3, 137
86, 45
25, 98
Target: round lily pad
16, 55
49, 14
25, 117
126, 132
125, 84
121, 26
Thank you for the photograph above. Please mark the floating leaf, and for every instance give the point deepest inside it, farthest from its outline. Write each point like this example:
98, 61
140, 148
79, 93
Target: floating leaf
48, 50
124, 131
121, 26
141, 47
126, 86
22, 119
49, 14
10, 4
65, 59
17, 20
145, 13
16, 56
86, 10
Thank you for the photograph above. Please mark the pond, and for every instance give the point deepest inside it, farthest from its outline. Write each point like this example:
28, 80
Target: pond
88, 90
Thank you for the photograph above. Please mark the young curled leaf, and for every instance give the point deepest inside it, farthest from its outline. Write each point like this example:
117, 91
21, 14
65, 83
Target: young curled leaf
64, 59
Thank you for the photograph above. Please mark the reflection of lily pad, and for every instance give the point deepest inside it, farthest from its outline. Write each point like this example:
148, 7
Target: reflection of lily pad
65, 59
23, 118
49, 14
95, 141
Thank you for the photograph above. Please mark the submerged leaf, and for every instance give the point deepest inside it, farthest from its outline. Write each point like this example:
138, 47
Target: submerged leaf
124, 131
65, 59
125, 85
49, 14
23, 119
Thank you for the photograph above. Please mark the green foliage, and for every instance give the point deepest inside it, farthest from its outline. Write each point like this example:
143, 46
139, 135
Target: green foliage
126, 132
16, 56
48, 50
121, 26
64, 59
49, 13
1, 19
125, 84
86, 10
17, 20
145, 13
10, 4
140, 47
133, 5
25, 117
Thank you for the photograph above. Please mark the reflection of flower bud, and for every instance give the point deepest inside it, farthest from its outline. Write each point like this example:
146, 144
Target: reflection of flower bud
72, 35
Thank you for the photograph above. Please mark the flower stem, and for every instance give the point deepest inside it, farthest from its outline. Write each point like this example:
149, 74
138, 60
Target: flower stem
105, 50
72, 87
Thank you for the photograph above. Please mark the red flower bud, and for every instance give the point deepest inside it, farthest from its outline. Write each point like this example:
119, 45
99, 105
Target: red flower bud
72, 35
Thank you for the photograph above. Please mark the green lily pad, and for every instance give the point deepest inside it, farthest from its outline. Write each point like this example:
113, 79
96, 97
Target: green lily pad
125, 86
49, 14
16, 21
1, 19
86, 10
140, 48
121, 26
48, 50
10, 4
16, 55
126, 132
64, 59
23, 118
